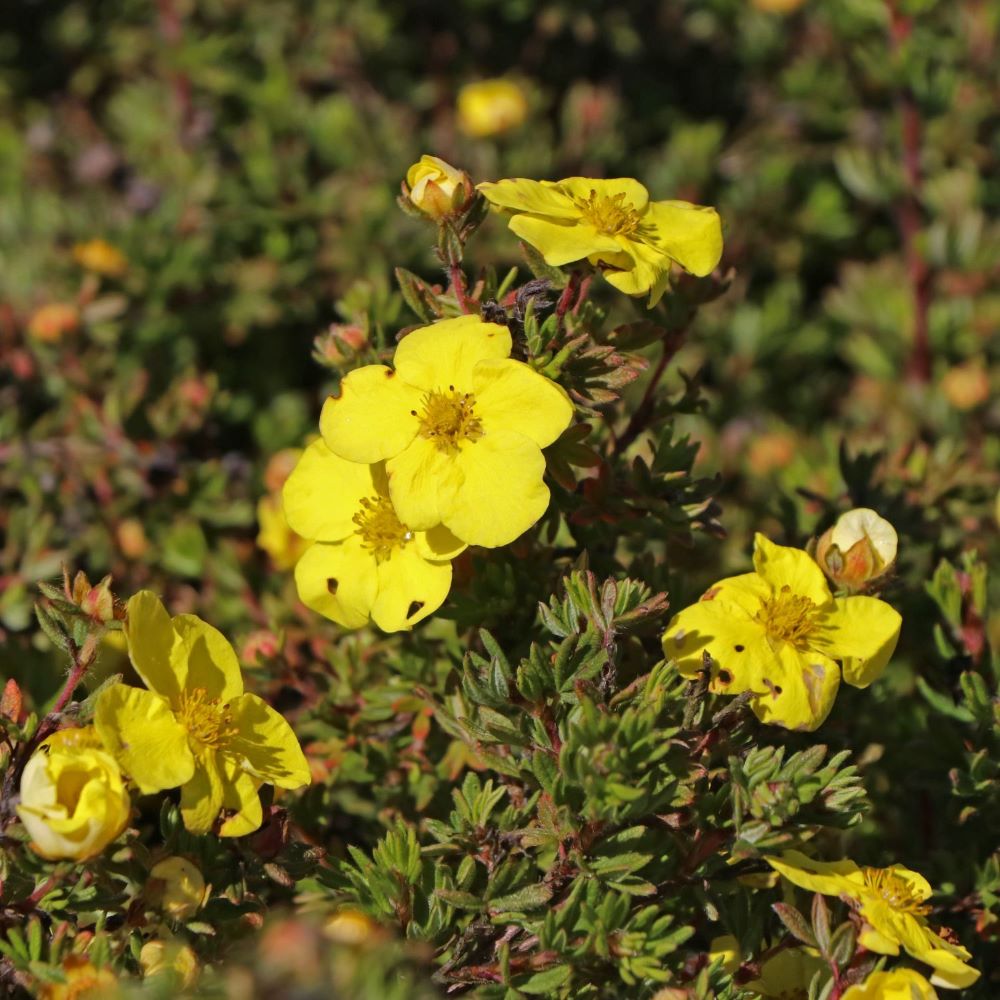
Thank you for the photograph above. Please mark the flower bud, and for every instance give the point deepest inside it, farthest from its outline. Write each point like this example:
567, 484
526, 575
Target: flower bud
436, 188
100, 257
51, 322
858, 549
73, 798
350, 927
170, 958
177, 887
490, 107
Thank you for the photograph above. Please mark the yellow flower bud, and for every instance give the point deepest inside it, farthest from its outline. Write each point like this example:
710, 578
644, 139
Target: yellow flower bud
158, 958
859, 548
73, 798
437, 188
83, 982
177, 887
100, 257
350, 927
490, 107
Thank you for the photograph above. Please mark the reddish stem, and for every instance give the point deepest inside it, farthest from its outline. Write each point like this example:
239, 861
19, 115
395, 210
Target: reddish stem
643, 411
79, 668
458, 286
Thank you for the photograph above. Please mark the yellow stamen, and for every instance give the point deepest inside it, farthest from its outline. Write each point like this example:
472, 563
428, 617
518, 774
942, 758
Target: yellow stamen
612, 216
379, 527
207, 720
894, 891
449, 418
788, 617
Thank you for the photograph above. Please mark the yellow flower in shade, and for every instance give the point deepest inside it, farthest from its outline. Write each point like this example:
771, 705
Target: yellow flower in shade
778, 632
461, 427
194, 727
858, 549
73, 797
177, 887
100, 257
365, 563
613, 224
900, 984
83, 981
276, 536
170, 959
490, 107
891, 904
785, 974
437, 188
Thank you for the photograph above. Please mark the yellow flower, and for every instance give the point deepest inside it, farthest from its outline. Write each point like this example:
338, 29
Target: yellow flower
611, 223
100, 257
777, 633
276, 536
460, 426
489, 107
437, 188
169, 958
890, 902
83, 982
778, 6
177, 887
786, 973
858, 549
901, 984
73, 797
194, 727
366, 564
351, 927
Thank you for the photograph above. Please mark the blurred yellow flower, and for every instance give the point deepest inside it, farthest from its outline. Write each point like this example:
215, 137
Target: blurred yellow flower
169, 958
786, 973
437, 188
83, 981
461, 427
52, 322
489, 107
612, 224
177, 887
101, 257
777, 6
351, 927
900, 984
967, 386
73, 797
194, 727
365, 565
777, 633
890, 901
276, 536
858, 549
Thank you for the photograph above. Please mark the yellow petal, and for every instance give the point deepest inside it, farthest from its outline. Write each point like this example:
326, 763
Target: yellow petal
324, 493
438, 544
648, 271
580, 189
746, 590
729, 636
409, 589
443, 355
562, 241
338, 581
203, 656
511, 395
522, 195
201, 797
502, 493
782, 566
796, 689
831, 878
949, 971
150, 635
265, 745
423, 480
689, 234
862, 632
877, 942
373, 418
240, 794
143, 734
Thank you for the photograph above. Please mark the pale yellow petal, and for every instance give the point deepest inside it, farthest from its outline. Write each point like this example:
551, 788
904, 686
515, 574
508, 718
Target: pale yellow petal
201, 797
423, 481
862, 632
689, 234
150, 636
206, 659
562, 241
796, 689
511, 395
786, 568
726, 633
632, 194
831, 878
338, 581
265, 744
519, 194
442, 356
409, 589
646, 273
240, 796
438, 544
373, 418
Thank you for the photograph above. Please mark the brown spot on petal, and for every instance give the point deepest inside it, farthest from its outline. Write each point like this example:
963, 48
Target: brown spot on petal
739, 648
332, 584
710, 594
389, 373
414, 608
725, 677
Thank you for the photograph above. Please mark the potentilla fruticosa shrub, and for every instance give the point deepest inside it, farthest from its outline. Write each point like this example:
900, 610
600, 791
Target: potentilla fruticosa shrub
523, 768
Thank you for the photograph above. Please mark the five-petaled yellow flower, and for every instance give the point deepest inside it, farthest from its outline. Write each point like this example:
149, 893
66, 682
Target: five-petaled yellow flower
777, 633
891, 904
365, 564
194, 727
613, 224
460, 426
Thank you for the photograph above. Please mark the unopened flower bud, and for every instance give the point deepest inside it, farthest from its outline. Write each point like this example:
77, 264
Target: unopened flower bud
858, 549
169, 958
177, 887
490, 107
436, 188
101, 257
350, 927
73, 797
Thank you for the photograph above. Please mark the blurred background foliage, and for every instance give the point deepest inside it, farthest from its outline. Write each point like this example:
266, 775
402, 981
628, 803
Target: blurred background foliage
243, 158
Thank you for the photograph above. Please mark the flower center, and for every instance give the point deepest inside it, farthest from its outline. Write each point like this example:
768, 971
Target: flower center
379, 527
206, 719
449, 418
894, 891
612, 216
788, 617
